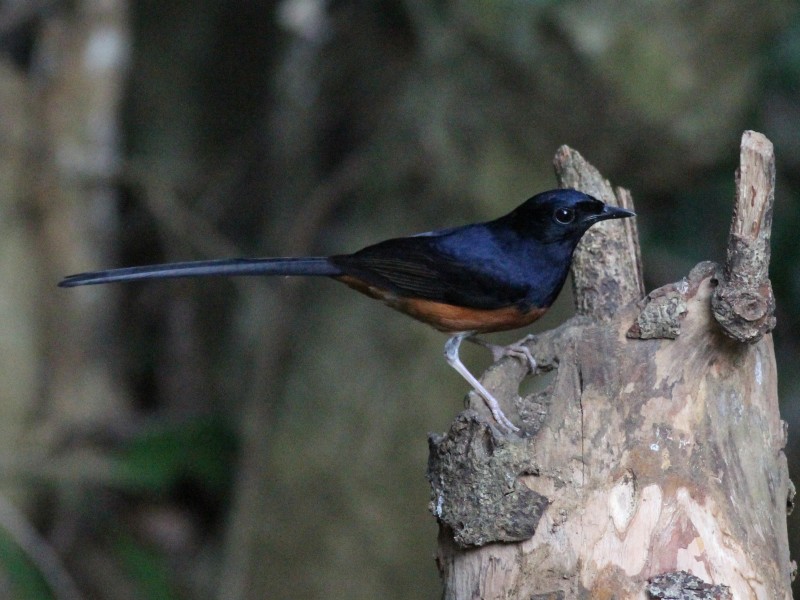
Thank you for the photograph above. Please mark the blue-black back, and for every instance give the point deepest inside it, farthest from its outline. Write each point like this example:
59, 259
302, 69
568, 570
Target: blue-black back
521, 259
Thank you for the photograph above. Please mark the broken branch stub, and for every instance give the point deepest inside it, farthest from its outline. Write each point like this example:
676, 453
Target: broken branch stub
743, 303
607, 264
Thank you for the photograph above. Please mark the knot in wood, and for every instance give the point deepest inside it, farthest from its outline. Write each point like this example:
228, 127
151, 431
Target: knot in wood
749, 305
745, 314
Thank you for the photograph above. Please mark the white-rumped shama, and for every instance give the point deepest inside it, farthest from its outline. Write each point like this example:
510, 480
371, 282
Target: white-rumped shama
479, 278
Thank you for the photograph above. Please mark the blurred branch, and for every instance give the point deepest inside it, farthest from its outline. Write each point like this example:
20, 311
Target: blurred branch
38, 551
159, 196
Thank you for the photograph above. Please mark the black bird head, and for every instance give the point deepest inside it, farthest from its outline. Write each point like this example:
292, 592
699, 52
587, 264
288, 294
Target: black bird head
560, 215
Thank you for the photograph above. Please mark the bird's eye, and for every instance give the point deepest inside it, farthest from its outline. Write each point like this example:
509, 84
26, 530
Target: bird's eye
564, 216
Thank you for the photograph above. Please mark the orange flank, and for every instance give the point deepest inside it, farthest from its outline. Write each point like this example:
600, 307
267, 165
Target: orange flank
449, 317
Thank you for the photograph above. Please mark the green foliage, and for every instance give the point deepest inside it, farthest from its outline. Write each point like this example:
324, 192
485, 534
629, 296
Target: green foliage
23, 578
146, 568
202, 450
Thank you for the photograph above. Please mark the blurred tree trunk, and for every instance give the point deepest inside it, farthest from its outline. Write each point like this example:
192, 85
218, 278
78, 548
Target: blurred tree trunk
77, 80
19, 369
59, 123
654, 461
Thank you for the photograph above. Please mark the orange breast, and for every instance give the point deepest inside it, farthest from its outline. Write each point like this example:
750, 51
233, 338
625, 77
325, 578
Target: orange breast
449, 317
452, 319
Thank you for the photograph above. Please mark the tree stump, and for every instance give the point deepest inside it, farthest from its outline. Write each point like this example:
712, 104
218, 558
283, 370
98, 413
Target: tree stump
652, 466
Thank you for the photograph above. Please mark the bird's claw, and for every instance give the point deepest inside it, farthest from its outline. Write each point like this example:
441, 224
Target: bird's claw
518, 350
503, 421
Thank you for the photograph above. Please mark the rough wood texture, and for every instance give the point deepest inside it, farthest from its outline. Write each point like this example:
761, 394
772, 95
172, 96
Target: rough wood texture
479, 473
743, 303
656, 449
607, 264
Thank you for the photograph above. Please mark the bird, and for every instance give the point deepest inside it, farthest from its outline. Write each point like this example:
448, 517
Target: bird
467, 280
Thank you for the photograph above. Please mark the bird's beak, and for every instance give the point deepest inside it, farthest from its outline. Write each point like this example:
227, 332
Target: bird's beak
614, 212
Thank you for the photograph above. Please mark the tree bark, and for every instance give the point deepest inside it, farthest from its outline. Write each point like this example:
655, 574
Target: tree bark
653, 462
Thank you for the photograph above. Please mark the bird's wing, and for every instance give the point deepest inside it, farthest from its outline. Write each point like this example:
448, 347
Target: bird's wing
421, 267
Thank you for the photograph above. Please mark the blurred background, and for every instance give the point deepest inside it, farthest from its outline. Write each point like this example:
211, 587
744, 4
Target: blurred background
267, 438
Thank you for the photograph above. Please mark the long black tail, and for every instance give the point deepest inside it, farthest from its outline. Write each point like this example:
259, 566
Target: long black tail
225, 267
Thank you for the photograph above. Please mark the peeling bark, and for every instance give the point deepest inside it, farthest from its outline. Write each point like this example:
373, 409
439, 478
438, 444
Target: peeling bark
656, 449
685, 586
475, 473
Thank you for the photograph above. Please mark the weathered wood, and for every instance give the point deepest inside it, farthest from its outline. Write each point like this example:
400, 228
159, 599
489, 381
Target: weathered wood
656, 448
607, 264
743, 303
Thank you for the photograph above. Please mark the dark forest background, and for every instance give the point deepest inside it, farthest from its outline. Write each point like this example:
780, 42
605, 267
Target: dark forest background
267, 438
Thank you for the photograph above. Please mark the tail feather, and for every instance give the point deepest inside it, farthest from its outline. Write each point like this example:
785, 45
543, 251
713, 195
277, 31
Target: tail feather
320, 266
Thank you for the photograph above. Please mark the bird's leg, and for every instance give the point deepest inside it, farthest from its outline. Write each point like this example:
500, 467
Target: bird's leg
451, 354
516, 350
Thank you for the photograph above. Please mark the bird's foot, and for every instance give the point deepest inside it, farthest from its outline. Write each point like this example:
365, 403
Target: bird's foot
500, 417
518, 350
451, 354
